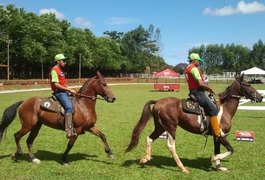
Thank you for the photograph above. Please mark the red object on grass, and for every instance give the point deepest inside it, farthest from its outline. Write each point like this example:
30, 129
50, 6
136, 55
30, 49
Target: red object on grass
245, 135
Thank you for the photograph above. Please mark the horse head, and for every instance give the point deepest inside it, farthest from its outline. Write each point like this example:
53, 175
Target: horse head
242, 88
96, 86
103, 89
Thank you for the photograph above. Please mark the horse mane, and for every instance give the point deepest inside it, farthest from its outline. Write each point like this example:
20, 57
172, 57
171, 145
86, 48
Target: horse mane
85, 85
225, 94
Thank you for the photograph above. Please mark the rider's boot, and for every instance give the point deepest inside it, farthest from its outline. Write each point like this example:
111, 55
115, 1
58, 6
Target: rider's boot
216, 128
69, 128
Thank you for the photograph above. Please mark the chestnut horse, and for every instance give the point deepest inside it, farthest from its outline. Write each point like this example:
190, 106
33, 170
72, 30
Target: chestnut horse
168, 114
32, 116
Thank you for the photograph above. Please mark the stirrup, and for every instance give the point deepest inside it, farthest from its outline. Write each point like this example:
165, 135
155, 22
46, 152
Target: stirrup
71, 133
74, 132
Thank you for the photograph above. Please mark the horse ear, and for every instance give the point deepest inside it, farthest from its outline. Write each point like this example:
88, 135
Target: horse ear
242, 77
238, 76
98, 74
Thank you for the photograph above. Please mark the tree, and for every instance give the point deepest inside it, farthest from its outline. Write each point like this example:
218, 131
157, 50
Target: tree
257, 54
107, 54
140, 48
115, 35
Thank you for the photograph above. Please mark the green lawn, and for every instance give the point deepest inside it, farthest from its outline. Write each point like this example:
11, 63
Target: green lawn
116, 121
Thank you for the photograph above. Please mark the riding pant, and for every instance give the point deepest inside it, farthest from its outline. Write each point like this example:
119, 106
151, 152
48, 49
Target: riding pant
64, 100
205, 102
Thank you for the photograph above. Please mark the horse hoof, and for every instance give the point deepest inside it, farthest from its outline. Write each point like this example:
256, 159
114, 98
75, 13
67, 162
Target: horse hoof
111, 156
66, 164
186, 171
212, 158
36, 161
223, 169
13, 156
144, 160
16, 154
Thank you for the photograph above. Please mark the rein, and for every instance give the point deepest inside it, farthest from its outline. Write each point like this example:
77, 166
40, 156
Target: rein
236, 96
93, 98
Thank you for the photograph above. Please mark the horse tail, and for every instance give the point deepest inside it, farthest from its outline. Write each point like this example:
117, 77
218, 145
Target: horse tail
8, 116
146, 114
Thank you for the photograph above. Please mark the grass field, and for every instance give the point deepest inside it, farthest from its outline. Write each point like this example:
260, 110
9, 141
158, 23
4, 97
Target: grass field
116, 121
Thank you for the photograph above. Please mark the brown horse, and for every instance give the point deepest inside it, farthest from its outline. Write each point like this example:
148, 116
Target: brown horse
168, 114
32, 116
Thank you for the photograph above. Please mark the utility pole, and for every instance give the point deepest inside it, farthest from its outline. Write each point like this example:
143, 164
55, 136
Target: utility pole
8, 41
41, 69
80, 57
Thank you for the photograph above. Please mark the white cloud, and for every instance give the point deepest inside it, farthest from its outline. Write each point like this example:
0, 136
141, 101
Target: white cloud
82, 22
241, 8
225, 11
121, 21
53, 11
250, 8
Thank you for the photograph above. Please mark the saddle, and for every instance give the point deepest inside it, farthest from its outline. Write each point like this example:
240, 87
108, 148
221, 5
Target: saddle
192, 106
51, 104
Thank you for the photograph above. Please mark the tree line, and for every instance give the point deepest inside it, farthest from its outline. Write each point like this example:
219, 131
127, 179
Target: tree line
231, 57
35, 39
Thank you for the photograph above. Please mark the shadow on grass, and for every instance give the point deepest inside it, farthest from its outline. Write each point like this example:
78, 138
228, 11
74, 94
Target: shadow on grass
162, 162
51, 156
4, 156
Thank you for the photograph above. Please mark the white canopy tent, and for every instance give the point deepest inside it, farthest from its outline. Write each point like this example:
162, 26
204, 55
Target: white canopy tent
253, 71
256, 75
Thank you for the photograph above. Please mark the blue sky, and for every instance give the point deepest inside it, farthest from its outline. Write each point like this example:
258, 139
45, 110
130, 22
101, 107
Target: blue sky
183, 23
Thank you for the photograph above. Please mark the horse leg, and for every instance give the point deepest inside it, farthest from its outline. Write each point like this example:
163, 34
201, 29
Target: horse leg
214, 159
18, 135
172, 149
98, 133
220, 156
147, 156
69, 147
33, 134
149, 139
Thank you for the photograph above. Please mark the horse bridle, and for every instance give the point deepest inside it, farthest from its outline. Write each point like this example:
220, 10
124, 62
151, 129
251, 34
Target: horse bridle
242, 91
102, 84
93, 98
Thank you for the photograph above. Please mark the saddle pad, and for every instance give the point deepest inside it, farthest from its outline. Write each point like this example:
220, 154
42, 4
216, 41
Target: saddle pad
190, 107
50, 104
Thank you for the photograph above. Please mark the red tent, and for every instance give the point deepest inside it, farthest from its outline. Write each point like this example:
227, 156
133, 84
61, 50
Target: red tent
166, 74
